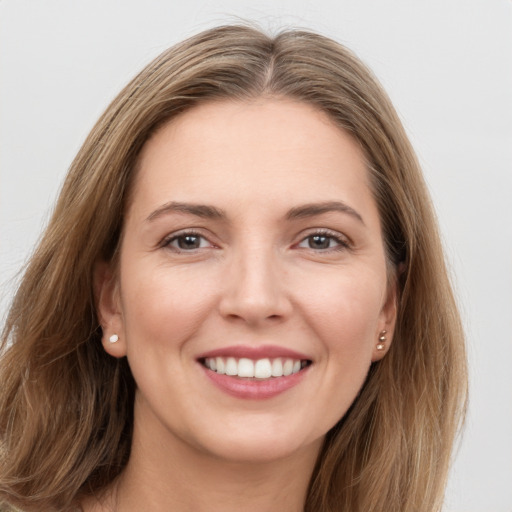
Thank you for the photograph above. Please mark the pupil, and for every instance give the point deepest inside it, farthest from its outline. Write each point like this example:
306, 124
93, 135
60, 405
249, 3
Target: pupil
188, 242
319, 242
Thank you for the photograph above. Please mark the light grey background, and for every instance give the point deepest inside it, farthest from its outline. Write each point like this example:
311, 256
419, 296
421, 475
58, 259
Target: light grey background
447, 65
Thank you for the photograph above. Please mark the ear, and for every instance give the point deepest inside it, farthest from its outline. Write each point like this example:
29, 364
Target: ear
387, 322
108, 308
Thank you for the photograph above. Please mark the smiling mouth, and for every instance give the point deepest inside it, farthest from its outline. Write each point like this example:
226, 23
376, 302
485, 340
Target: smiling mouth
266, 368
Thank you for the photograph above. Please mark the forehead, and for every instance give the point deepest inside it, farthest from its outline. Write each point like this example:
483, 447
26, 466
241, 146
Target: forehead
268, 151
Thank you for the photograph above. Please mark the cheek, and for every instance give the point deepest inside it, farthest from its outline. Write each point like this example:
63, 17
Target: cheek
344, 309
344, 316
164, 306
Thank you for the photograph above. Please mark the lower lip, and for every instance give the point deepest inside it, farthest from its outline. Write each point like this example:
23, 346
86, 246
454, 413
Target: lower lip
254, 389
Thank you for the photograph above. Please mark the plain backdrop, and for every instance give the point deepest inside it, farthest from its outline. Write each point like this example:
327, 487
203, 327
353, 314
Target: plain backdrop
447, 65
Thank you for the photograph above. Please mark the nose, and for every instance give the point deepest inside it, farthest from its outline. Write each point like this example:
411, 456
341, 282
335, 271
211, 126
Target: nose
255, 292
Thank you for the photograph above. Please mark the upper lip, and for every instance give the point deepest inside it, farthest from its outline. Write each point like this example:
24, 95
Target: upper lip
255, 352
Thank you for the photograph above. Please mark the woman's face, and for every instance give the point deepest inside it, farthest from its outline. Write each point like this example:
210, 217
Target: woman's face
252, 246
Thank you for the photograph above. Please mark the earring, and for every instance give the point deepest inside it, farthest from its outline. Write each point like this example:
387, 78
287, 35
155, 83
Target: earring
114, 338
382, 340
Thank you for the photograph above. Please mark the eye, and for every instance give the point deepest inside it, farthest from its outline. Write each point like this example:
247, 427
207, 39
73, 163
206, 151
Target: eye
186, 242
323, 242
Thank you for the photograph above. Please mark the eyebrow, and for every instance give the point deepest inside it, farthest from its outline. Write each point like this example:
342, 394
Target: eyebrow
211, 212
199, 210
313, 209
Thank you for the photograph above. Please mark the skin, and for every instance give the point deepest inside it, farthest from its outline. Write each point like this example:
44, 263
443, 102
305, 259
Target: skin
257, 277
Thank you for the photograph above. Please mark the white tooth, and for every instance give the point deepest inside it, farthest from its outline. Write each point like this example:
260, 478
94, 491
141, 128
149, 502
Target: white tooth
288, 367
231, 366
245, 368
219, 363
277, 368
212, 364
262, 369
296, 367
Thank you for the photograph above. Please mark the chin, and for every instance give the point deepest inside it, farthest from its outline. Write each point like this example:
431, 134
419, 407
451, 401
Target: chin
257, 454
260, 445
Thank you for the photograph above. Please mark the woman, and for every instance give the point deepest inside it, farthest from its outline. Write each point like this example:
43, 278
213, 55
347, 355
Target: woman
240, 302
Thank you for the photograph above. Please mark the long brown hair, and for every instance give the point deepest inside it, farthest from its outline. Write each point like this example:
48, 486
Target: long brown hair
66, 407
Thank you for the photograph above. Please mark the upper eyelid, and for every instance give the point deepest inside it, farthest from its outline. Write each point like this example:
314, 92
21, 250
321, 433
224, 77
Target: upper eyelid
340, 244
166, 240
343, 238
325, 232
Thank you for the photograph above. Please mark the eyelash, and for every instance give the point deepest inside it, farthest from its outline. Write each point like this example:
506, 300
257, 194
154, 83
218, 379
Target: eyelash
341, 242
190, 233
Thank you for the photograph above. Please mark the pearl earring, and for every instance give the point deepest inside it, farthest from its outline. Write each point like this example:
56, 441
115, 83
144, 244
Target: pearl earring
382, 340
114, 338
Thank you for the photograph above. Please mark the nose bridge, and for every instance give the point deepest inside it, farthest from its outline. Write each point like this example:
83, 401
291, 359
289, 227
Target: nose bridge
254, 290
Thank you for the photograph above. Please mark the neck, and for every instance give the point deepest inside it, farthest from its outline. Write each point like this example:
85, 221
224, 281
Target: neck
213, 486
166, 473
